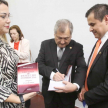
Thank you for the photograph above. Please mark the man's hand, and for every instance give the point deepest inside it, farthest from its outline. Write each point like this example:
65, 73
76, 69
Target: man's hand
69, 87
58, 76
81, 94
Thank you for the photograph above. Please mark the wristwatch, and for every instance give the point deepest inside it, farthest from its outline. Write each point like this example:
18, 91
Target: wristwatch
22, 101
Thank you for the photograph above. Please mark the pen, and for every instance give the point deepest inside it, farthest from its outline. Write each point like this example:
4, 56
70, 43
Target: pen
84, 103
57, 70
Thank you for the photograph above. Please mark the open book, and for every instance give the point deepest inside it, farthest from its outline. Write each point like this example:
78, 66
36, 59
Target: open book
53, 84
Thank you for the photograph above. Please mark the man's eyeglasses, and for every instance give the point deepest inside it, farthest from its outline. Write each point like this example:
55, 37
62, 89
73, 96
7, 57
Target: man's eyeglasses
5, 15
66, 38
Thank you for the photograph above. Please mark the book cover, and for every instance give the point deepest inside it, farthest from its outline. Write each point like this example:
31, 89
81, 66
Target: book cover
28, 78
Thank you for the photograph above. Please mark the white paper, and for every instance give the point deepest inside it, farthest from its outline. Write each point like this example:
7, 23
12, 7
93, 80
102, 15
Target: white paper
53, 84
23, 64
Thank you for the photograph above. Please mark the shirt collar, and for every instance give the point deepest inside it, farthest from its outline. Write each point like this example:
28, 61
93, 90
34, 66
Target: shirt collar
105, 37
59, 48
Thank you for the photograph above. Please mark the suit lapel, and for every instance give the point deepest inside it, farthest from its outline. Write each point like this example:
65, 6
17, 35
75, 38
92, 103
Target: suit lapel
99, 53
54, 52
66, 52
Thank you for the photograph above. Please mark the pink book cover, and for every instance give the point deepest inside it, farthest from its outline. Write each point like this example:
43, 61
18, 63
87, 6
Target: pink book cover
28, 78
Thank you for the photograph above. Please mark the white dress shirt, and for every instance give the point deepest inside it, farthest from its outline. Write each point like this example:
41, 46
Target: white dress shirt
52, 73
103, 40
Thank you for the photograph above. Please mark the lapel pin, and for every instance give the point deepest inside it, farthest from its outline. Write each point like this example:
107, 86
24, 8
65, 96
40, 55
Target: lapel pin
99, 52
70, 47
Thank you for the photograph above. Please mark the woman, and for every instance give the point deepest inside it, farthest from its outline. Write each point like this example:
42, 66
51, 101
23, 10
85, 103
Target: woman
20, 44
21, 47
8, 70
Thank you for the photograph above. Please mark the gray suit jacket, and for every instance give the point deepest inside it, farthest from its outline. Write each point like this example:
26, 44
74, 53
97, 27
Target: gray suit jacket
47, 59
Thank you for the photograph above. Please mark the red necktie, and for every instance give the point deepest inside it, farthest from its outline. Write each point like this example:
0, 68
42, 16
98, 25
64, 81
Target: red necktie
91, 62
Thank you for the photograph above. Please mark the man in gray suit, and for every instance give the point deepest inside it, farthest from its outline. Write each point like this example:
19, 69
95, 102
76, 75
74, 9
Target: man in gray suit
49, 61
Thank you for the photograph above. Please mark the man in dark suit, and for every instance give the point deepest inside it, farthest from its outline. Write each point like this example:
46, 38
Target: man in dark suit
97, 81
95, 91
49, 62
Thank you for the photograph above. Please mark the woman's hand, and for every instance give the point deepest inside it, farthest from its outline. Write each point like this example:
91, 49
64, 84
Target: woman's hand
15, 99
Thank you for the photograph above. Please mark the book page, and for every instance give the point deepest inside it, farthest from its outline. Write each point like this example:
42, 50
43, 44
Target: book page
53, 84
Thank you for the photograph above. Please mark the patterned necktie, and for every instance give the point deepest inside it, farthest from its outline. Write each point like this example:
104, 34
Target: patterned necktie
59, 54
91, 62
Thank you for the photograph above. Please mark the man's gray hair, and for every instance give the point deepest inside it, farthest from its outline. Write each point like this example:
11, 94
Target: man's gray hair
62, 25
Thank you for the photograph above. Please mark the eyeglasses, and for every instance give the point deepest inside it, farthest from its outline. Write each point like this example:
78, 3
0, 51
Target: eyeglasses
5, 15
66, 38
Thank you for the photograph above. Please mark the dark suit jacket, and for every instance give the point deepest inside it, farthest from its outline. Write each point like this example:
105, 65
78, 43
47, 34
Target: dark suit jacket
48, 62
97, 96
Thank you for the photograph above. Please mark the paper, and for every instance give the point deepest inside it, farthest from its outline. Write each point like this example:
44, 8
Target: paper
53, 84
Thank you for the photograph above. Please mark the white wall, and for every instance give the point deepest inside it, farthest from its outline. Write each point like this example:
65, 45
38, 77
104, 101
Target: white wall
37, 18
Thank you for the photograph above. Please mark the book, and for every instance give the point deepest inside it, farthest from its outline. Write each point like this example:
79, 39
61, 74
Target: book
53, 83
28, 78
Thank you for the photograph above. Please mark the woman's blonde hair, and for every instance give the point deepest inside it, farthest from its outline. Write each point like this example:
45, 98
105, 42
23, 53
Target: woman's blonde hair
4, 38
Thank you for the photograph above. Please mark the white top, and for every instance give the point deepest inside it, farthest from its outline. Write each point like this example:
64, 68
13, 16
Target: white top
23, 50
